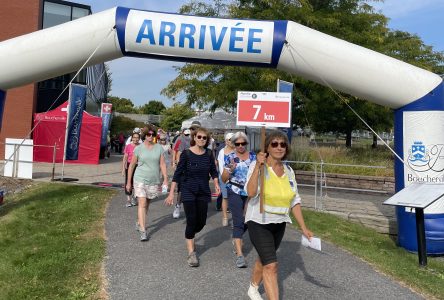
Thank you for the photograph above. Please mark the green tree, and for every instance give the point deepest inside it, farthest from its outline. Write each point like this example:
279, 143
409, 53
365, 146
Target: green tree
153, 107
356, 21
175, 115
122, 105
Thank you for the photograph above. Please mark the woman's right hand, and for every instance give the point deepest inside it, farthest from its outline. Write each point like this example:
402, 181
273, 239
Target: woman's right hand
123, 173
128, 187
261, 157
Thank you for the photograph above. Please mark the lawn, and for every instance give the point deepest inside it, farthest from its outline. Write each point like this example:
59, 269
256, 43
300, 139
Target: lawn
381, 252
52, 242
358, 154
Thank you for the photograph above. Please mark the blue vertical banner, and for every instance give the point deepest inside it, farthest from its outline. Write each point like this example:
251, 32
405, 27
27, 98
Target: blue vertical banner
106, 121
77, 99
2, 106
286, 87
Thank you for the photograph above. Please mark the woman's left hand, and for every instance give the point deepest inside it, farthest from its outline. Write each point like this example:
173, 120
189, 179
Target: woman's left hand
217, 188
308, 234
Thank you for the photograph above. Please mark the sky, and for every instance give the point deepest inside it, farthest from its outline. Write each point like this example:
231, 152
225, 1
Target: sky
141, 80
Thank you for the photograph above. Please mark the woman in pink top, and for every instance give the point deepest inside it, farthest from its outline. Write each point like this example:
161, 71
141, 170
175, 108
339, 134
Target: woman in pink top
127, 156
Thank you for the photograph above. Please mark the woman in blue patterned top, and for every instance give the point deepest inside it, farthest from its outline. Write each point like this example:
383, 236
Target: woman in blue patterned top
235, 175
196, 166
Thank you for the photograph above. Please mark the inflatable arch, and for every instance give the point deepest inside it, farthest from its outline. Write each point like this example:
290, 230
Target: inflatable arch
416, 95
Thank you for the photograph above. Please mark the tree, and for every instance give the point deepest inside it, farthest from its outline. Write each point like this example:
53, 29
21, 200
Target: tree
355, 21
175, 115
152, 108
122, 105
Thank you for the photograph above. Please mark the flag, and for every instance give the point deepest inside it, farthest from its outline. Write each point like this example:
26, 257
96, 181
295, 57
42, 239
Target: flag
106, 120
286, 87
77, 100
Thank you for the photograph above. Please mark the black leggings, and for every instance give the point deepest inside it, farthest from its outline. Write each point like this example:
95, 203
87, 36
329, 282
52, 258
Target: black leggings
196, 214
266, 239
129, 193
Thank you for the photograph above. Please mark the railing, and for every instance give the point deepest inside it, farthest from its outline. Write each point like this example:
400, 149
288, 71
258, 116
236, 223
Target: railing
320, 180
15, 158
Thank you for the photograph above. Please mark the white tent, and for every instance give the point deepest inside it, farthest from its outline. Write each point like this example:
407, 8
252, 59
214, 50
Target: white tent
220, 119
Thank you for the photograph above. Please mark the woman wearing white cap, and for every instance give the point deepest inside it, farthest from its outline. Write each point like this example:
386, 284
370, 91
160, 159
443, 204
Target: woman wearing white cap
229, 147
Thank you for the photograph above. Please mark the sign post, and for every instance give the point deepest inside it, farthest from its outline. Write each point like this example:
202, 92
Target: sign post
418, 196
265, 110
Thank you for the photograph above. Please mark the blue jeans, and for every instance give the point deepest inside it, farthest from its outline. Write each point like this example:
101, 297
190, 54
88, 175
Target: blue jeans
236, 204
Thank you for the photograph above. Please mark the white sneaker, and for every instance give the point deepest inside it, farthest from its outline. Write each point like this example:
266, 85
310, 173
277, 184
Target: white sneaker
253, 293
176, 211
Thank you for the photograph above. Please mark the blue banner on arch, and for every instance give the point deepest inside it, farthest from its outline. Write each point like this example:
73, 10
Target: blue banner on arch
77, 100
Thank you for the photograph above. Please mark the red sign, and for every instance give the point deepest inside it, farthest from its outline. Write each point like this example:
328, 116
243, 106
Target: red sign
106, 108
264, 109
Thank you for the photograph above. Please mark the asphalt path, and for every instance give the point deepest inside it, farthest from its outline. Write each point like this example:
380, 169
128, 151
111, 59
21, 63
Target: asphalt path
157, 269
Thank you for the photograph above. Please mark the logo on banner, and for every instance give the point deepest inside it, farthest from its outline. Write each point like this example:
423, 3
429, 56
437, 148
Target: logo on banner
417, 154
421, 159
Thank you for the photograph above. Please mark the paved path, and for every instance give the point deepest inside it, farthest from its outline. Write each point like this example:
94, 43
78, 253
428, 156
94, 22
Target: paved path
157, 269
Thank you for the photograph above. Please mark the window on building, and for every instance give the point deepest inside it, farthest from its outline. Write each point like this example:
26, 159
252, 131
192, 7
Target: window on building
78, 12
55, 14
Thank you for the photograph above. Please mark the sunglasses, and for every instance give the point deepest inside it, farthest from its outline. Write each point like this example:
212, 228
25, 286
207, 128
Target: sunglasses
275, 144
201, 137
240, 144
163, 140
186, 134
150, 134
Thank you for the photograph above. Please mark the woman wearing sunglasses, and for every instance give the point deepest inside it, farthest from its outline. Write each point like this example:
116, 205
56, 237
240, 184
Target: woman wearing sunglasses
235, 175
193, 170
150, 161
281, 197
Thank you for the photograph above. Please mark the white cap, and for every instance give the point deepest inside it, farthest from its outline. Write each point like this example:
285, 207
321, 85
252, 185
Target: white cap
228, 135
136, 130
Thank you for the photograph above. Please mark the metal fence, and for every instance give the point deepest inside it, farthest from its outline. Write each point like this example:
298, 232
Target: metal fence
320, 180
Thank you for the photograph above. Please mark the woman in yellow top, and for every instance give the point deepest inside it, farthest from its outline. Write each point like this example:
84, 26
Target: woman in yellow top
281, 196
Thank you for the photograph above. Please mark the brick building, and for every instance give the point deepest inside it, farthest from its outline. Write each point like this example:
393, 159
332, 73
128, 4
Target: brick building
20, 17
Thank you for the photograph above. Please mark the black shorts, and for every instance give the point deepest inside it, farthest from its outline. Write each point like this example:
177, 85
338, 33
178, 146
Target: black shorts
266, 239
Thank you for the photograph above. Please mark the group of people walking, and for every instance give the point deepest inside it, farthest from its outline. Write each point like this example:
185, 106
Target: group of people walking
235, 172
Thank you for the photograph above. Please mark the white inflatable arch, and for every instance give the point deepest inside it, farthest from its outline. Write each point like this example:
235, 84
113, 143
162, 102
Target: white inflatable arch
415, 94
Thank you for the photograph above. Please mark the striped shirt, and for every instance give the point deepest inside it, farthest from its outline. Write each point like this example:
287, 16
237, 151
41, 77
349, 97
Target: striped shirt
193, 173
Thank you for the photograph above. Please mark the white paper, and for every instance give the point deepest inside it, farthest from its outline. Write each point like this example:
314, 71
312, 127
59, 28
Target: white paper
314, 243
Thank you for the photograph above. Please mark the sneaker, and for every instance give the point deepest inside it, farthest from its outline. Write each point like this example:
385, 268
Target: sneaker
134, 201
253, 293
176, 211
192, 260
143, 236
240, 262
225, 222
128, 204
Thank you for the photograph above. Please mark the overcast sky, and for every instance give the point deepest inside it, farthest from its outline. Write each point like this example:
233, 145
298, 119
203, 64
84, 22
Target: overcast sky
141, 80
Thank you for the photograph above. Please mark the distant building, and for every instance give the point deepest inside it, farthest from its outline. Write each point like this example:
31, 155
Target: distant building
20, 17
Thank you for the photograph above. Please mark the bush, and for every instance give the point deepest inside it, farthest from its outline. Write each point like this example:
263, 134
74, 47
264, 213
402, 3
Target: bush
124, 124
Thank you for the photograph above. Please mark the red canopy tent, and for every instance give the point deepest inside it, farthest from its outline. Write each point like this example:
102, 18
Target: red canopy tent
50, 130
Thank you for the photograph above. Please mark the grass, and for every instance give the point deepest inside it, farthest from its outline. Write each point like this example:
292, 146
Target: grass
381, 252
52, 242
359, 154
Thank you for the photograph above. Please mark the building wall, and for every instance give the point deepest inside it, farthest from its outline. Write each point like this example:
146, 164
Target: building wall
18, 17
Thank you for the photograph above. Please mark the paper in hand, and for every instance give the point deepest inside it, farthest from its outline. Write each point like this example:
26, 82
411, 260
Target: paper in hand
314, 243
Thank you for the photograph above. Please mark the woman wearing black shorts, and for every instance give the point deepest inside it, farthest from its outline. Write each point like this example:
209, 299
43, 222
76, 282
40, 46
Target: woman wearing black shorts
280, 197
